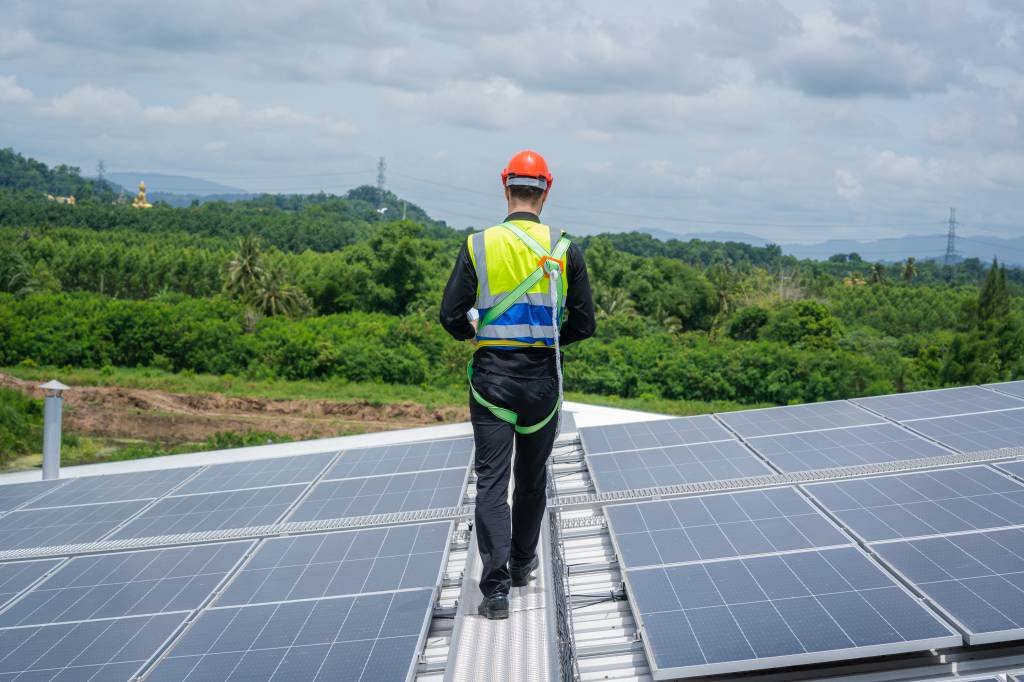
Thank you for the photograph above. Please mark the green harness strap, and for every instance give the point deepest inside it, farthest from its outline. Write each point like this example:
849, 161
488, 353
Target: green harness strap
548, 261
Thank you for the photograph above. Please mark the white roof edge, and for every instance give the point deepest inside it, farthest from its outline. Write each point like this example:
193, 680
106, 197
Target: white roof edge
583, 414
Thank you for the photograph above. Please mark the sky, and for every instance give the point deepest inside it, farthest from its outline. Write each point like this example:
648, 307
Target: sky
796, 121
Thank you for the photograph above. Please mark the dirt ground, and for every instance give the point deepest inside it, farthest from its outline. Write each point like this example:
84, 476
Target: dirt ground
171, 418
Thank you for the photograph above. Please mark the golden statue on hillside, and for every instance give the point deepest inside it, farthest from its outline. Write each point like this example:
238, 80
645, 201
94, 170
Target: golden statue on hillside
140, 198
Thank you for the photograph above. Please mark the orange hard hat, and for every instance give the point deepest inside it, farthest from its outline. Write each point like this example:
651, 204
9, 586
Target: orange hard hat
527, 168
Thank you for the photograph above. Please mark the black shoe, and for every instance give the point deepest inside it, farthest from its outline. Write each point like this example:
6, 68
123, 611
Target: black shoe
521, 575
495, 607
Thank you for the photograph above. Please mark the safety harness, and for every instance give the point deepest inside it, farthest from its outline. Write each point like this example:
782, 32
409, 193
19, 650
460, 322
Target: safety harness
551, 265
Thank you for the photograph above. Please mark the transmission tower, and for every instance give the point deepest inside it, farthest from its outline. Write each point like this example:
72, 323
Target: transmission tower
951, 238
382, 166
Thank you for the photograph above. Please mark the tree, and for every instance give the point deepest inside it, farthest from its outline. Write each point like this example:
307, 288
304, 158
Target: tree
609, 301
246, 269
274, 295
878, 274
909, 269
16, 275
994, 299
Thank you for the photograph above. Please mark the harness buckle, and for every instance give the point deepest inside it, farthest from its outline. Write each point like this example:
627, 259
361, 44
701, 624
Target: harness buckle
549, 264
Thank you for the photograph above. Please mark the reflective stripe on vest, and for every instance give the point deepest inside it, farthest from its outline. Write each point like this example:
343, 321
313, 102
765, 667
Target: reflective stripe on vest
502, 261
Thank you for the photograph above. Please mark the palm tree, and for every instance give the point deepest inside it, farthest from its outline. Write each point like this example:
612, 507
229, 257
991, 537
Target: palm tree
274, 295
246, 269
612, 300
16, 275
878, 274
909, 269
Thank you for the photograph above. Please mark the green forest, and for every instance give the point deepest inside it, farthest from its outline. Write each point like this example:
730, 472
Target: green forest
318, 287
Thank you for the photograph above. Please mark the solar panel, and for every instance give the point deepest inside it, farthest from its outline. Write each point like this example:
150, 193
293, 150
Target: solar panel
1015, 388
63, 525
974, 432
674, 465
258, 474
143, 485
14, 495
568, 424
113, 649
843, 447
976, 579
772, 421
383, 495
17, 575
369, 637
341, 563
718, 526
127, 584
212, 511
350, 605
924, 503
1016, 468
944, 402
404, 458
772, 611
652, 434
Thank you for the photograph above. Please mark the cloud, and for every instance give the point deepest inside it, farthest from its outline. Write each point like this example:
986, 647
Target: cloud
779, 111
11, 92
848, 186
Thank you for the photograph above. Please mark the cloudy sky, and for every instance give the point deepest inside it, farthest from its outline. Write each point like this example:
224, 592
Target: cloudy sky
792, 120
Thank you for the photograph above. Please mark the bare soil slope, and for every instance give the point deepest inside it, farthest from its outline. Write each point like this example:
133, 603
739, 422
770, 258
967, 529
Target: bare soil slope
170, 418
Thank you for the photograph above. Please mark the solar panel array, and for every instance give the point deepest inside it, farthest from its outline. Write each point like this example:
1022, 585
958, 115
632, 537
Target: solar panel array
330, 605
748, 580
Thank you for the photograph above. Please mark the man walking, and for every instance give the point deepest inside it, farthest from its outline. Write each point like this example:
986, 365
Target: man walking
531, 289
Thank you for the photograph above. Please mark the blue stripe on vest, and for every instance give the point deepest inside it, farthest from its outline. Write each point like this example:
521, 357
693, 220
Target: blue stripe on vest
523, 313
523, 339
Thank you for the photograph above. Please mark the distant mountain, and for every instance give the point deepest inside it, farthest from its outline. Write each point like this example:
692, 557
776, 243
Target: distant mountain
922, 247
742, 237
171, 184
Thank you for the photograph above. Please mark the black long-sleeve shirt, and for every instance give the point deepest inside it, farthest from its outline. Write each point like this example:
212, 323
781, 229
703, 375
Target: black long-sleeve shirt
530, 363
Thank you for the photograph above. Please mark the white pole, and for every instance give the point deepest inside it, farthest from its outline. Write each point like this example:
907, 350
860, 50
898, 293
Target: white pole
52, 415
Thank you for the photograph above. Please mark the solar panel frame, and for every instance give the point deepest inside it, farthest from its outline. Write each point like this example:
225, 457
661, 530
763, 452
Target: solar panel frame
638, 468
17, 576
263, 473
941, 402
365, 495
773, 421
1010, 594
975, 432
852, 446
956, 512
401, 458
99, 651
650, 622
664, 528
651, 434
66, 525
127, 584
137, 485
185, 514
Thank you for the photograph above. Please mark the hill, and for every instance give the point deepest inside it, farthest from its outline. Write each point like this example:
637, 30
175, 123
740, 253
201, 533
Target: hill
22, 174
171, 184
890, 250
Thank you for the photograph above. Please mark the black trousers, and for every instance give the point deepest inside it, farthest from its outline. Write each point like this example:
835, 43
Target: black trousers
503, 536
